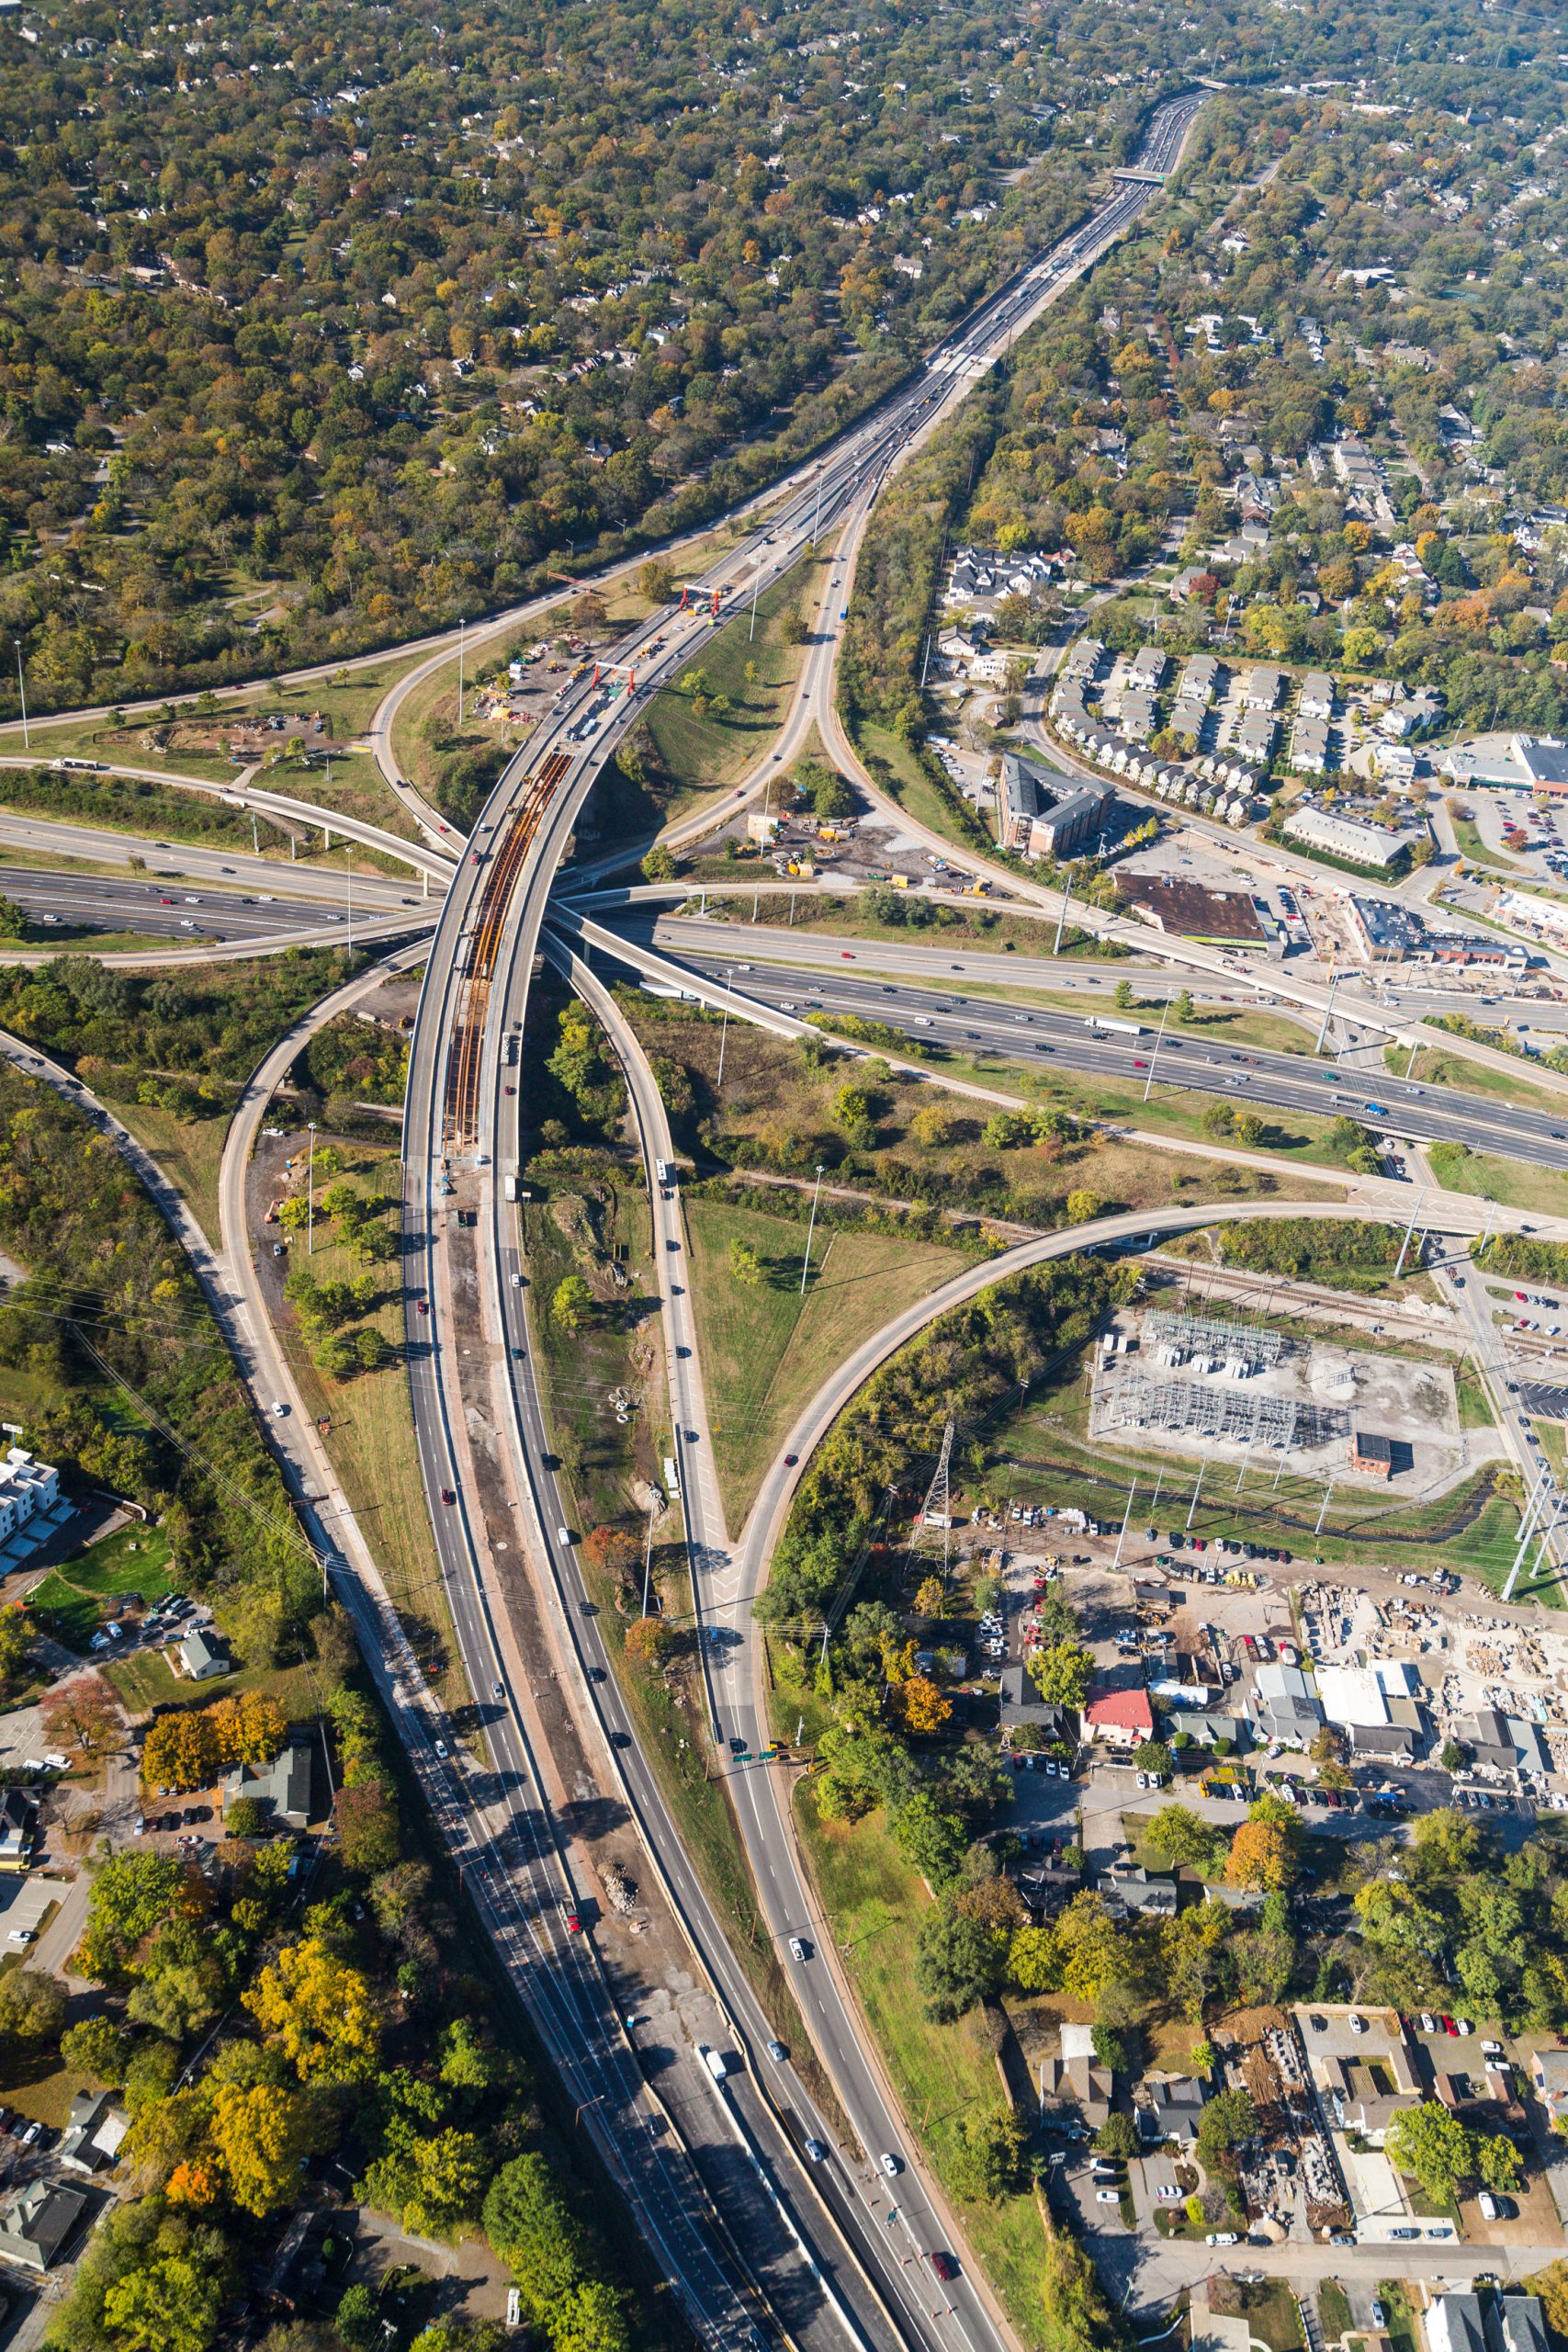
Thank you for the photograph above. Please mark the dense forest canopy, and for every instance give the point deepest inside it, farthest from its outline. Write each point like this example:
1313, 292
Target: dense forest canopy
317, 327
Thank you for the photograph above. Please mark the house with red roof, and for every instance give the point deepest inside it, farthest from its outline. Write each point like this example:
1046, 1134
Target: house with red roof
1121, 1718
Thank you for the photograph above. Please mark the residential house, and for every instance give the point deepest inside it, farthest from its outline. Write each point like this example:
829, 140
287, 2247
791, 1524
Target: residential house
1261, 688
1137, 1893
1316, 697
1519, 2323
28, 1488
201, 1657
1168, 2106
1021, 1703
36, 2224
1456, 2323
1361, 2065
1549, 2071
1076, 2079
1284, 1706
18, 1822
1204, 1726
1504, 1742
1121, 1718
94, 2132
282, 1789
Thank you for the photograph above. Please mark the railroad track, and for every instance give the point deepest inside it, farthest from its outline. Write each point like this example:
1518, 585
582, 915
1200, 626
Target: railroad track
480, 949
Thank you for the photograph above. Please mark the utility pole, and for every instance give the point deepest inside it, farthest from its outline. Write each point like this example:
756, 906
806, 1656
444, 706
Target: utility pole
1126, 1518
1323, 1514
756, 585
810, 1229
724, 1025
647, 1557
348, 857
1328, 1011
937, 1503
1409, 1230
311, 1195
255, 837
1061, 919
1196, 1492
462, 642
22, 691
1153, 1057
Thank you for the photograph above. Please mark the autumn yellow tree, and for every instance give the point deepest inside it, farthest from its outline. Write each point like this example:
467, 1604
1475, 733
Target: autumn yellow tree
1260, 1856
180, 1751
930, 1600
263, 2136
319, 2011
249, 1728
922, 1706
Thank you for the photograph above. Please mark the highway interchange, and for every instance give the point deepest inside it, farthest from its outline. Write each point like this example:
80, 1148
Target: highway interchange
816, 2252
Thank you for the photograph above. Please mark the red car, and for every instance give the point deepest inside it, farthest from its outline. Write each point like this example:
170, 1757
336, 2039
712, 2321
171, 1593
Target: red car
943, 2265
573, 1924
420, 1306
844, 955
790, 1461
1448, 2026
448, 1495
1137, 1065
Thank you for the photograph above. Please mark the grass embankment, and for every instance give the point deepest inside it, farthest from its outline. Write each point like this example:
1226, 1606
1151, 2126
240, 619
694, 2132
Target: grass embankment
189, 1152
1513, 1183
1436, 1067
765, 1350
930, 924
1268, 1032
1476, 851
701, 747
618, 1351
366, 1425
348, 700
873, 1902
898, 772
1471, 1531
148, 812
772, 1099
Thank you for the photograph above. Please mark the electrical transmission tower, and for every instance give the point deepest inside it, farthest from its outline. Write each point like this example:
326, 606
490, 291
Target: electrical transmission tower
937, 1509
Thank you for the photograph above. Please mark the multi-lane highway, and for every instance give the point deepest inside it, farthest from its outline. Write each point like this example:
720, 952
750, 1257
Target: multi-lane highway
170, 909
459, 1124
1098, 1044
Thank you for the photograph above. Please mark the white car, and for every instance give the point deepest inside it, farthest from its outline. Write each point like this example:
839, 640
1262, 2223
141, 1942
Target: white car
1222, 2237
1108, 2196
891, 2164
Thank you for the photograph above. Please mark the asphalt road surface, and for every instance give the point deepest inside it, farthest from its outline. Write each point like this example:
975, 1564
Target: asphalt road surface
168, 909
1250, 1078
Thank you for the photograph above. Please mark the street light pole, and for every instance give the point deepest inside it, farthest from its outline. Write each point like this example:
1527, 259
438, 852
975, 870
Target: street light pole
1153, 1057
810, 1229
311, 1195
348, 855
22, 690
462, 643
1328, 1011
724, 1025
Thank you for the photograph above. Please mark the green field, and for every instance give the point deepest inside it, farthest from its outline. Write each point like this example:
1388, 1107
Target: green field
702, 752
1440, 1068
1515, 1183
873, 1902
765, 1351
189, 1152
915, 791
73, 1601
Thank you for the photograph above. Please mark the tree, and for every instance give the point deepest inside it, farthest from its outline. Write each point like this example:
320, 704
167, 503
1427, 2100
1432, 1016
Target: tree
989, 2162
96, 2048
246, 1817
658, 865
1227, 2120
82, 1716
1118, 2136
930, 1837
958, 1962
1181, 1008
1082, 1207
1110, 2049
250, 1728
319, 2011
15, 1635
1176, 1834
181, 1750
1152, 1756
1264, 1850
1062, 1672
366, 1821
923, 1706
132, 1894
263, 2134
1432, 2146
931, 1600
172, 2305
650, 1641
1122, 997
656, 581
744, 1266
32, 2006
571, 1305
1090, 1952
13, 920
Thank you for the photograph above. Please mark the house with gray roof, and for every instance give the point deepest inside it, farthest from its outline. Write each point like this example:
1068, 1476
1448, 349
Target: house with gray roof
283, 1788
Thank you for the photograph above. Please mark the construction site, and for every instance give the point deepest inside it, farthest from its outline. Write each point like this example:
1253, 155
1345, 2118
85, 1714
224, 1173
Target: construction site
1237, 1388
